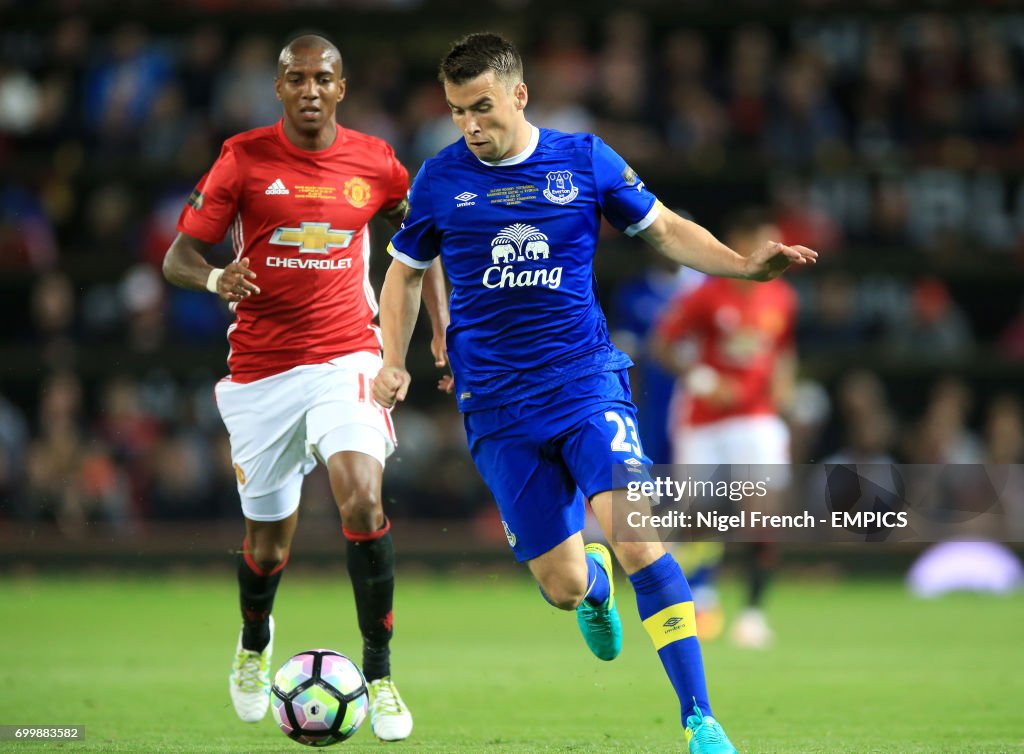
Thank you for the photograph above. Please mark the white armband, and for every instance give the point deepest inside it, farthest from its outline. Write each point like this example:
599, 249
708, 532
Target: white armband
211, 282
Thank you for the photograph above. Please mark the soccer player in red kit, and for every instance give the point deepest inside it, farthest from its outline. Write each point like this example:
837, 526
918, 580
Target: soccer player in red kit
729, 398
297, 197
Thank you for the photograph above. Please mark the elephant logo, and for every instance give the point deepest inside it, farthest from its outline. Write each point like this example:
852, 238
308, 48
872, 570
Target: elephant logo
536, 250
517, 243
502, 253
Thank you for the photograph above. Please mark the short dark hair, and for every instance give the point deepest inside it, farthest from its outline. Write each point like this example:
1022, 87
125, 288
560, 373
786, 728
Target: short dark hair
476, 54
308, 41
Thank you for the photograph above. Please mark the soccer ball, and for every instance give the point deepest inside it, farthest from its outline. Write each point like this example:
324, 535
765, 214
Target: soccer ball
319, 697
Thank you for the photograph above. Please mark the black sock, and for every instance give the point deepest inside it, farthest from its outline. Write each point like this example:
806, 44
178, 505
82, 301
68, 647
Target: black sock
371, 566
256, 589
763, 556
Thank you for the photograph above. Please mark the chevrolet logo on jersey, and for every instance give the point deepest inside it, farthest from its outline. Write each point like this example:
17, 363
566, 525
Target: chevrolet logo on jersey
313, 238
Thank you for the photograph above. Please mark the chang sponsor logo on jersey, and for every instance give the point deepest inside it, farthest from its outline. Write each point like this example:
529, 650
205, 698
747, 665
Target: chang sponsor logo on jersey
514, 252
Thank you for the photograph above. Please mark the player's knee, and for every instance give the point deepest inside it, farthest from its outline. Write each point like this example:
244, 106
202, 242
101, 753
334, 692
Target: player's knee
269, 556
565, 593
361, 510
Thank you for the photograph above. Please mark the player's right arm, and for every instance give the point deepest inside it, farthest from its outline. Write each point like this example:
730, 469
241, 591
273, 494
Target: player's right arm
210, 209
414, 247
399, 308
185, 266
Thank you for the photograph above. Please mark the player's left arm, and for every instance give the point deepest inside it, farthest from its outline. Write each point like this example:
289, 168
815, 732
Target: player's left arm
783, 385
435, 297
688, 243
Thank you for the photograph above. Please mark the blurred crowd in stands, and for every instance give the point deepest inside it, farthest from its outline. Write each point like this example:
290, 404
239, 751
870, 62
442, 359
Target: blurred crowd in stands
897, 139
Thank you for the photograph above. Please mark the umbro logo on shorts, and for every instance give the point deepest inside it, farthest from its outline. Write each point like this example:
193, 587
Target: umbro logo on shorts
277, 187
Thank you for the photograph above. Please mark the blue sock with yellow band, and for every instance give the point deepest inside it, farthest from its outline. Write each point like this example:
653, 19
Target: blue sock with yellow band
598, 588
666, 609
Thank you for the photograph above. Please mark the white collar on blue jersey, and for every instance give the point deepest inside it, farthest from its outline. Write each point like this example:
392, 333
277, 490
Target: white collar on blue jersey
522, 156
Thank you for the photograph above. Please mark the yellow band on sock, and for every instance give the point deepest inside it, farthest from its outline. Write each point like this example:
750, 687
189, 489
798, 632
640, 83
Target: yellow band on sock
673, 623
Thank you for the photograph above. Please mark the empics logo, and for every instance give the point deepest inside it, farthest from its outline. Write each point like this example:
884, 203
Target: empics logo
312, 238
520, 243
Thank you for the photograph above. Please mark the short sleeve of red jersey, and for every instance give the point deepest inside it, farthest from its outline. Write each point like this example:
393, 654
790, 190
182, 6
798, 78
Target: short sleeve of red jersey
681, 317
213, 204
399, 187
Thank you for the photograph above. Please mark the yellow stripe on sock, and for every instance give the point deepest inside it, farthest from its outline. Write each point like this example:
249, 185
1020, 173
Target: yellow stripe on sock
673, 623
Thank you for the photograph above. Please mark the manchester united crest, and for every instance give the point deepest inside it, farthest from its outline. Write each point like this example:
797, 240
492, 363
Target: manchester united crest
357, 192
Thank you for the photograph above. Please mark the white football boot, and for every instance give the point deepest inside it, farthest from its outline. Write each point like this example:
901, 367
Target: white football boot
390, 719
250, 680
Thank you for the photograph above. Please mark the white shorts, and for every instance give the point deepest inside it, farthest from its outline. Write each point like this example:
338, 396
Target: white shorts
738, 441
282, 425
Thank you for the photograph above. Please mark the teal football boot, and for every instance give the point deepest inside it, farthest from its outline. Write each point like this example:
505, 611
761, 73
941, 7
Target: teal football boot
601, 626
706, 736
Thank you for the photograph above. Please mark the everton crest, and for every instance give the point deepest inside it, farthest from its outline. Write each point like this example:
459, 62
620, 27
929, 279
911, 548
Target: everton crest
560, 189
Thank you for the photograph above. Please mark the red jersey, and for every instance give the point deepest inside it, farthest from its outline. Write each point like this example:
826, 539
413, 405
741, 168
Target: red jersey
300, 218
740, 329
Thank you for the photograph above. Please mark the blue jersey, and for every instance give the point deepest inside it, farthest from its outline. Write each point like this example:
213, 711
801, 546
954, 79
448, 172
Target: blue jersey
517, 238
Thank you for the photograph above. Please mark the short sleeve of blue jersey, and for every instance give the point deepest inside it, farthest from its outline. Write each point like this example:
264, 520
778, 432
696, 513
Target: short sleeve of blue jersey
417, 242
624, 199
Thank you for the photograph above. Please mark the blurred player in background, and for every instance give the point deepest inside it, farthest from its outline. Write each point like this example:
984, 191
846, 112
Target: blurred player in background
297, 197
729, 397
514, 211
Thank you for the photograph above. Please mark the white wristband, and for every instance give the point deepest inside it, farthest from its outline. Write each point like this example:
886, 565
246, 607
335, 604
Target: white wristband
211, 282
702, 380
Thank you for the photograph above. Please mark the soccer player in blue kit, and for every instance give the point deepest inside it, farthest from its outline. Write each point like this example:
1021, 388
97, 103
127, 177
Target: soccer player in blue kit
514, 212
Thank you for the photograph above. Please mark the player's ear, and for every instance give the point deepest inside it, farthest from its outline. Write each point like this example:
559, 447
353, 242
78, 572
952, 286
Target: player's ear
277, 87
521, 96
341, 89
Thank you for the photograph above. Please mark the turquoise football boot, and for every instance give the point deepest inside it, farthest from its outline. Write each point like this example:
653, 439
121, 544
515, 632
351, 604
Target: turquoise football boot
705, 735
601, 625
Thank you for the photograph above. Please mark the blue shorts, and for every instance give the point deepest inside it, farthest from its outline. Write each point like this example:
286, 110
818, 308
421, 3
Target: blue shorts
542, 455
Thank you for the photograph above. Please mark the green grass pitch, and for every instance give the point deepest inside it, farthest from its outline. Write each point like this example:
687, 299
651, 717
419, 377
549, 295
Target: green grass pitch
487, 666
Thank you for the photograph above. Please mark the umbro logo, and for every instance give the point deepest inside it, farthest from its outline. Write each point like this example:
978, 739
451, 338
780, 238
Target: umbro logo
277, 187
672, 622
465, 199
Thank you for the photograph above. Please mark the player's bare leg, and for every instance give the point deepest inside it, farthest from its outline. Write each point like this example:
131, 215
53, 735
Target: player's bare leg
577, 577
561, 573
261, 563
666, 609
356, 484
